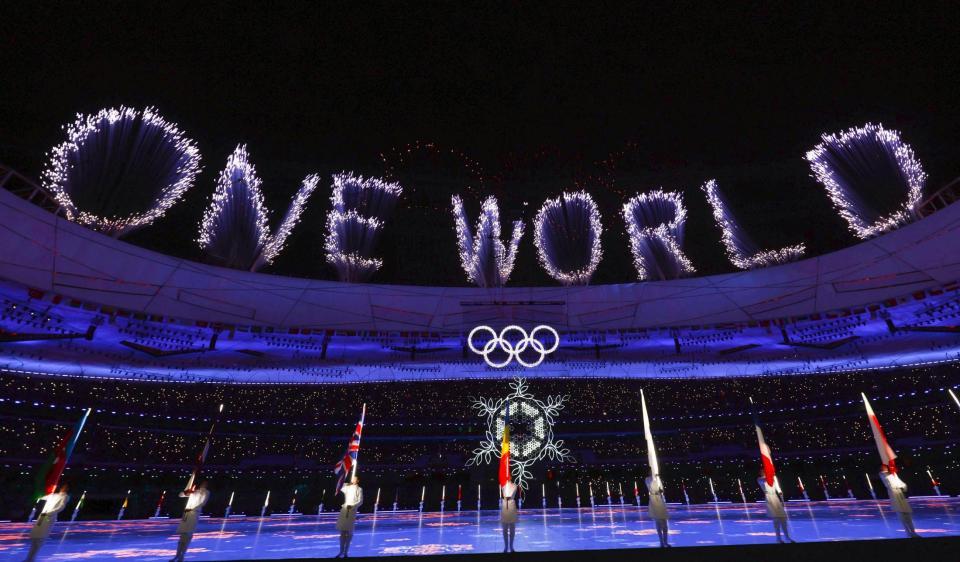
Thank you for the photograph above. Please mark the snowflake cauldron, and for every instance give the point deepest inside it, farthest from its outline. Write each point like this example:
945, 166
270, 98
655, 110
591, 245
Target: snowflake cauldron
531, 430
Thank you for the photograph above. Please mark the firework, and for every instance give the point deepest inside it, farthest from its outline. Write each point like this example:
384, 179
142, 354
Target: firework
234, 229
485, 259
863, 160
566, 233
290, 220
359, 208
740, 249
655, 224
121, 169
434, 160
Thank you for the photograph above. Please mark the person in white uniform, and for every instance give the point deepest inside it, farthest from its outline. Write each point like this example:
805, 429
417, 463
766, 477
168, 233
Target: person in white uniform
896, 490
508, 514
657, 508
773, 495
347, 521
53, 504
196, 499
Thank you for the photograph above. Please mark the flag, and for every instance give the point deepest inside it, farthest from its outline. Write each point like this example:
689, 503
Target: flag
505, 449
52, 470
887, 455
648, 436
202, 456
766, 457
348, 463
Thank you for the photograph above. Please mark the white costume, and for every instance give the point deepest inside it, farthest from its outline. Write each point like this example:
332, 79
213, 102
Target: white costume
658, 503
775, 510
896, 489
508, 503
508, 514
774, 498
352, 498
196, 499
657, 508
54, 504
191, 513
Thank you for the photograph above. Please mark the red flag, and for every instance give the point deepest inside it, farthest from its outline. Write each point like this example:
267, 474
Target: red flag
53, 470
202, 455
887, 456
766, 457
504, 472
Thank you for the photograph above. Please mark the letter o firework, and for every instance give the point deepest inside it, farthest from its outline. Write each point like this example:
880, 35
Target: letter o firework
121, 169
566, 232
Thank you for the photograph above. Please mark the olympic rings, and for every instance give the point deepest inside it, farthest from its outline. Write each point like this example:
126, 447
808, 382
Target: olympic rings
500, 341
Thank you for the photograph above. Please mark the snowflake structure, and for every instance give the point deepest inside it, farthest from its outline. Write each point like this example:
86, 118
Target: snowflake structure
531, 430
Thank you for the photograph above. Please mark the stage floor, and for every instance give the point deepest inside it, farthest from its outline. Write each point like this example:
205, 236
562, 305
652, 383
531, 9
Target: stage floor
386, 534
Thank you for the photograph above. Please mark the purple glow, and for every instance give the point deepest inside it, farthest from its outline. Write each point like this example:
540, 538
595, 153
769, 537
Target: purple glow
859, 161
290, 220
741, 251
234, 230
117, 162
485, 259
655, 224
234, 227
360, 207
566, 233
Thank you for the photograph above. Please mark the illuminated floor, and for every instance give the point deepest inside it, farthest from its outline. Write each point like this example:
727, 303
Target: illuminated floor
470, 531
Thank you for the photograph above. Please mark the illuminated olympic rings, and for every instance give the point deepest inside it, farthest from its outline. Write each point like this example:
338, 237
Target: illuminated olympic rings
513, 351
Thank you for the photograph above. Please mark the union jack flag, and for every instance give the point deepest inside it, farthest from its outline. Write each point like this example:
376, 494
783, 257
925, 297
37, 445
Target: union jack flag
349, 460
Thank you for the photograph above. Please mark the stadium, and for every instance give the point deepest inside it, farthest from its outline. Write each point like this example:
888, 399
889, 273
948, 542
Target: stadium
537, 354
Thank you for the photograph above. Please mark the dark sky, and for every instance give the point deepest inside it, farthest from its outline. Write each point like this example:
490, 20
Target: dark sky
537, 94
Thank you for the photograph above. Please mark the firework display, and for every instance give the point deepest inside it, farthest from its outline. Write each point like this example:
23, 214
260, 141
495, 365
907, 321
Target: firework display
234, 229
307, 215
360, 206
741, 251
655, 225
435, 166
854, 164
121, 169
566, 233
290, 220
485, 259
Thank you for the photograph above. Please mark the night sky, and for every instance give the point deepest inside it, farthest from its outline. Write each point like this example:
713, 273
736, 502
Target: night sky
537, 96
